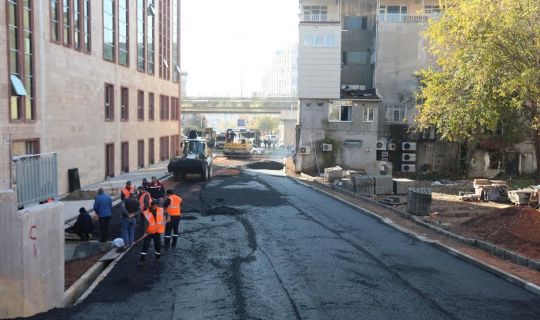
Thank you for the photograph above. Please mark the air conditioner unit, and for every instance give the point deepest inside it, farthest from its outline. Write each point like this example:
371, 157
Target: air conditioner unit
408, 157
429, 134
326, 147
384, 154
392, 146
381, 145
408, 146
384, 159
305, 150
408, 168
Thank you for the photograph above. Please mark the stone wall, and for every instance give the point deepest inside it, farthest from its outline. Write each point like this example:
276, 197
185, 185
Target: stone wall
32, 263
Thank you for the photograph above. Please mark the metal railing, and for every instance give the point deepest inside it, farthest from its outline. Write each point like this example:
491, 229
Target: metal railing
35, 178
323, 17
398, 17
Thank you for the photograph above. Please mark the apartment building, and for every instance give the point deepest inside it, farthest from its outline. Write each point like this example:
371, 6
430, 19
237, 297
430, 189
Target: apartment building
280, 77
97, 82
356, 84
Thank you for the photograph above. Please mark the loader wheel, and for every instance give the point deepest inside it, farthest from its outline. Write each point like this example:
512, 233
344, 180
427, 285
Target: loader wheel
204, 174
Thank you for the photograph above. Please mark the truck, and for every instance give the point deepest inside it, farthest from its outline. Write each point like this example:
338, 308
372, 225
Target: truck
196, 159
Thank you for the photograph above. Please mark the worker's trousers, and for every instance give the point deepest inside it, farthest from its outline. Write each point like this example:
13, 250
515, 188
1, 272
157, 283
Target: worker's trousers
156, 238
171, 231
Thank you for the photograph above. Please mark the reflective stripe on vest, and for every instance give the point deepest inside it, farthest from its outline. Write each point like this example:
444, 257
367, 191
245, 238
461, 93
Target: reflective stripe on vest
155, 225
174, 207
127, 191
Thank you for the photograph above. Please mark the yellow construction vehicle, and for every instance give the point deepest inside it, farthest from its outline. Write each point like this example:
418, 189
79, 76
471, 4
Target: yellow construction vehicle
237, 144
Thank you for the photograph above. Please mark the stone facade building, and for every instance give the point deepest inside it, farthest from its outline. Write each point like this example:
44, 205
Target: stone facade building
97, 82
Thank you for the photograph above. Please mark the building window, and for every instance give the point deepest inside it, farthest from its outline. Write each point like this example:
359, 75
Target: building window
151, 108
164, 148
175, 108
163, 107
141, 35
87, 30
368, 114
393, 13
123, 32
109, 102
21, 60
124, 104
355, 57
164, 39
150, 47
432, 9
315, 13
24, 147
396, 113
66, 11
55, 20
175, 56
151, 159
140, 105
140, 153
125, 156
355, 23
319, 40
340, 113
109, 160
109, 30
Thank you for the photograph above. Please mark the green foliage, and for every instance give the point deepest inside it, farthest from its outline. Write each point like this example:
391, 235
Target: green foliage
487, 72
267, 123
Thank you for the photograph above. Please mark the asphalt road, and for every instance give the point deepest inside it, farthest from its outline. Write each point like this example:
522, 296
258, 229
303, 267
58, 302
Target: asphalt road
258, 246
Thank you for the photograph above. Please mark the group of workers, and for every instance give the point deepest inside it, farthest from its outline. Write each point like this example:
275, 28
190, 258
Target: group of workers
158, 211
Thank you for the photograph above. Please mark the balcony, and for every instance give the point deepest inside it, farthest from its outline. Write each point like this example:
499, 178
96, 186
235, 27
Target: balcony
319, 18
399, 17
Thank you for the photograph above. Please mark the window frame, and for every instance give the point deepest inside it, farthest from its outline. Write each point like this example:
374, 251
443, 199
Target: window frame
151, 151
109, 116
124, 104
340, 114
114, 31
391, 111
140, 154
368, 116
144, 29
140, 105
124, 157
151, 106
118, 47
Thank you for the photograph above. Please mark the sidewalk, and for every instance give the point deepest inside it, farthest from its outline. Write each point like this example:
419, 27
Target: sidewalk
111, 186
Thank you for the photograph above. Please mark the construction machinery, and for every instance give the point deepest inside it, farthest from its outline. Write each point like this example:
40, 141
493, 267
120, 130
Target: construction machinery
196, 159
238, 144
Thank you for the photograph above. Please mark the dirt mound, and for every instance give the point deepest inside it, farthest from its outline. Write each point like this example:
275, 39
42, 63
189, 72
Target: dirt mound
266, 165
515, 227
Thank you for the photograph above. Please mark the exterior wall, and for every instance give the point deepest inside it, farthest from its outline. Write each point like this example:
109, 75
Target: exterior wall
32, 278
523, 163
319, 67
70, 101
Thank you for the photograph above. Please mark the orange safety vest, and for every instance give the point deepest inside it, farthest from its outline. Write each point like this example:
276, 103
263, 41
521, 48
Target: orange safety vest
141, 200
156, 225
127, 191
174, 207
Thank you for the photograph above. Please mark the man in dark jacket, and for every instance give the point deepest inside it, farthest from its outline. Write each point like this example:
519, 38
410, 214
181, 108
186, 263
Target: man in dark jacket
156, 189
103, 208
83, 226
130, 212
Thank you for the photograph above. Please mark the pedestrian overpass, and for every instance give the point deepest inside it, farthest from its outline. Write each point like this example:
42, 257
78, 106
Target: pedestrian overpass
238, 105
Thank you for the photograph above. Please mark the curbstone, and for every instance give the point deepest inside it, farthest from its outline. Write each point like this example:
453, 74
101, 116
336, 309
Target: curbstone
78, 287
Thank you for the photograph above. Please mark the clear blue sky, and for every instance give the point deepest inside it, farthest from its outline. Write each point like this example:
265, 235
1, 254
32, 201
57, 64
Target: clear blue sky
226, 43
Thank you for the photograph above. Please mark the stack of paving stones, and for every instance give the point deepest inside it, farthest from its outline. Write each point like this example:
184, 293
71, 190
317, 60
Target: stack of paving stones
383, 185
333, 174
419, 201
401, 186
364, 185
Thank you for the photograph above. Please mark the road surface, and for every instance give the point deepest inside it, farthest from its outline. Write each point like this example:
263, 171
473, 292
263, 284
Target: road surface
260, 246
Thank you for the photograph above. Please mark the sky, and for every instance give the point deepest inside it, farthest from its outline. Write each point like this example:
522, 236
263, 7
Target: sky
226, 44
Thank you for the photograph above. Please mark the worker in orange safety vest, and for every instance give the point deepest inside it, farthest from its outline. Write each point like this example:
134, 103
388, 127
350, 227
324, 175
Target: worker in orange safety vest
173, 205
154, 226
126, 191
145, 200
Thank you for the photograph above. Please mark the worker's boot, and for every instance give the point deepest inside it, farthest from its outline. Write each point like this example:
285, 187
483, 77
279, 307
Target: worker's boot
141, 261
167, 242
174, 240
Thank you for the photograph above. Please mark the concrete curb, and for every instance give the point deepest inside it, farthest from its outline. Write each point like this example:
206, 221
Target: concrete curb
463, 256
79, 290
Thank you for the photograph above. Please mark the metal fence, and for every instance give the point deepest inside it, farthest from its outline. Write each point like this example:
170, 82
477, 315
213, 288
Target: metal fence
35, 178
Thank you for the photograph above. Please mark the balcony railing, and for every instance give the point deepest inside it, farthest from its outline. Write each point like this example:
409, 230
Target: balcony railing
398, 17
316, 18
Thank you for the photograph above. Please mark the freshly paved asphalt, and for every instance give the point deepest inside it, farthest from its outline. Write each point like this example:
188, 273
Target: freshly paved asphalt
257, 246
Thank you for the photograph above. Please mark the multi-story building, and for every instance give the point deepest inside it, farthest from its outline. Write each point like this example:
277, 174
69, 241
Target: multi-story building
280, 77
97, 82
356, 84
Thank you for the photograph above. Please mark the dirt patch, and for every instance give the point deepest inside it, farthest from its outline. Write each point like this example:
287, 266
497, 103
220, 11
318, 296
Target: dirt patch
227, 172
266, 165
516, 228
222, 211
74, 269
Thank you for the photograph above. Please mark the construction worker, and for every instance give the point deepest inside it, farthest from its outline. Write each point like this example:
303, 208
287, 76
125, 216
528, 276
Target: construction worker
145, 200
126, 191
156, 189
173, 206
154, 226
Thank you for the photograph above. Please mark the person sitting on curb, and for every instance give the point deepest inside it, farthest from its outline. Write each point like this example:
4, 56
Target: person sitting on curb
154, 225
83, 226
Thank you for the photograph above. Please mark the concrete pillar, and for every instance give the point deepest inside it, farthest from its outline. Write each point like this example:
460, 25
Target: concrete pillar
31, 257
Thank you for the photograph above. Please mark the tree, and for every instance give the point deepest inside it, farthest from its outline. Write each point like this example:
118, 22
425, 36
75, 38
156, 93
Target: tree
487, 71
267, 123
